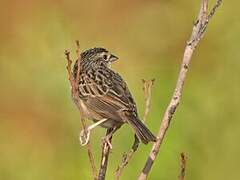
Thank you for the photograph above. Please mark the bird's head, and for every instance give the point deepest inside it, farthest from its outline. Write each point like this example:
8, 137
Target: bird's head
98, 54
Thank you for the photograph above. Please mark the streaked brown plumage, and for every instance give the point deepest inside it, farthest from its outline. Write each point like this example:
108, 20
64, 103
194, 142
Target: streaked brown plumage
104, 94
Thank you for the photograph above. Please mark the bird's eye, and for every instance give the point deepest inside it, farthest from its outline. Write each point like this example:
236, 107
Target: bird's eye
105, 57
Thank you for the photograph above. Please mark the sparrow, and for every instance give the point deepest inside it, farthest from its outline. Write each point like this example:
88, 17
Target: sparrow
104, 95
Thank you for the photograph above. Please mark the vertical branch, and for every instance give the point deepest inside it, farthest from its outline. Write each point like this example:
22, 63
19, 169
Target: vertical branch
69, 70
147, 89
78, 62
75, 96
183, 161
197, 34
104, 159
89, 151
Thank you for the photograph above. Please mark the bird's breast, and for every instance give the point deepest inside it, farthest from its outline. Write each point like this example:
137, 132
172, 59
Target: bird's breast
83, 109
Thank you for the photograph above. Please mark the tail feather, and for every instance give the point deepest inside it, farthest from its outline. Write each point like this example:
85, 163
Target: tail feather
142, 132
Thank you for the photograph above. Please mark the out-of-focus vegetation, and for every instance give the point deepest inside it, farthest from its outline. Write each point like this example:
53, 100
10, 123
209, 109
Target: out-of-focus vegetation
39, 124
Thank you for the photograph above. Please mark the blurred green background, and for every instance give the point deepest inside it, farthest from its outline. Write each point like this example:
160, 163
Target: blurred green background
39, 124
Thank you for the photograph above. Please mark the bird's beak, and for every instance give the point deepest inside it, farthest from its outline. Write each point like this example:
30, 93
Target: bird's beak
113, 58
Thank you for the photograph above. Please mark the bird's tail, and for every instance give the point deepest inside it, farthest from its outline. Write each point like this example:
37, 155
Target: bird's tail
142, 132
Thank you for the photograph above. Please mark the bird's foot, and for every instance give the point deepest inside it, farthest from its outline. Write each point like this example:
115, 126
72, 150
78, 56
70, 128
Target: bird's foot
84, 137
106, 140
85, 133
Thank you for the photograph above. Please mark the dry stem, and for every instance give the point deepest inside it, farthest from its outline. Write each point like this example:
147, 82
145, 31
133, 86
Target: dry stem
183, 161
74, 92
104, 159
147, 89
197, 33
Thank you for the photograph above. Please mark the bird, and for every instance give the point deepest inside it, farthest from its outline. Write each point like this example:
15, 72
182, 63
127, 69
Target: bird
104, 94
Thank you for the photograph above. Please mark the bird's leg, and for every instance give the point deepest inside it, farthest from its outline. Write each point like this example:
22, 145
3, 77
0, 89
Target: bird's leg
136, 143
109, 135
85, 134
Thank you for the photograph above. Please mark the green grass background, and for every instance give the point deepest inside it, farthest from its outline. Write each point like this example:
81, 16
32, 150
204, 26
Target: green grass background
39, 124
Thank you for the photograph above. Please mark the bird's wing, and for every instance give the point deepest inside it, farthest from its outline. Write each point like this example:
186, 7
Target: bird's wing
105, 92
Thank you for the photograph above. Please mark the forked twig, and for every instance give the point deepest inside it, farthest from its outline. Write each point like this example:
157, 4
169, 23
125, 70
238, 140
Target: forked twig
75, 96
183, 161
147, 89
198, 31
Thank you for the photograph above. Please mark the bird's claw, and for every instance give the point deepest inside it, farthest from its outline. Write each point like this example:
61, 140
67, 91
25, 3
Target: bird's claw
85, 134
106, 140
84, 137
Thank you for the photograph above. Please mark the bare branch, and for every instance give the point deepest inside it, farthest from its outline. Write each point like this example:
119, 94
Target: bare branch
197, 33
78, 51
126, 158
147, 89
69, 70
78, 63
89, 151
104, 159
183, 161
212, 12
75, 96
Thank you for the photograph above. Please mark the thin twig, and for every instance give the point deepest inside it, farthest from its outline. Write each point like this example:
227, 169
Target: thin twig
89, 150
183, 161
212, 12
104, 159
147, 89
197, 33
78, 62
78, 50
126, 158
69, 70
75, 96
